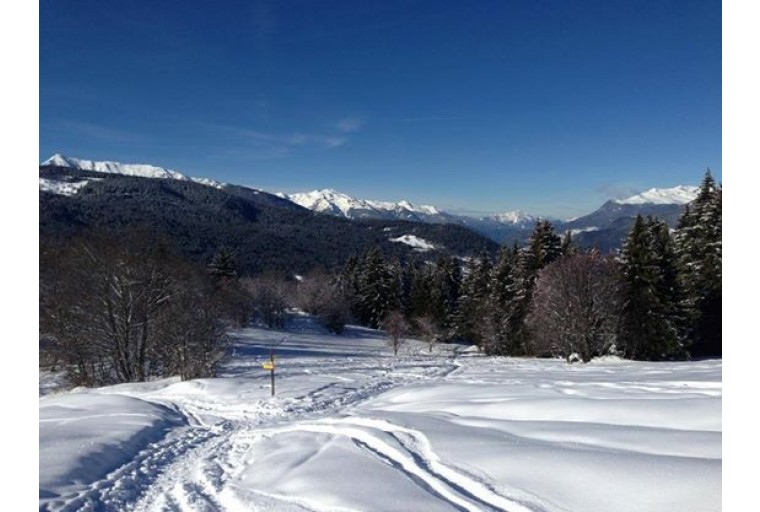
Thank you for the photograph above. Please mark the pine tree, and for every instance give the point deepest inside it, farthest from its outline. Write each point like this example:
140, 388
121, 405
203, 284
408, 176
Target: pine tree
447, 280
699, 246
502, 299
420, 293
649, 328
568, 248
472, 319
223, 265
376, 290
544, 247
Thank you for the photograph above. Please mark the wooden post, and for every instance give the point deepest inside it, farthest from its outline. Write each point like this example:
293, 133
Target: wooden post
271, 371
271, 360
270, 365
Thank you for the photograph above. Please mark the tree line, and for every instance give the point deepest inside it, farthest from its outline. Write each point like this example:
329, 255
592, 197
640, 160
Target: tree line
658, 298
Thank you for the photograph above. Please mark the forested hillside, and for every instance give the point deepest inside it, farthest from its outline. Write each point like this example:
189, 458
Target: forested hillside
266, 232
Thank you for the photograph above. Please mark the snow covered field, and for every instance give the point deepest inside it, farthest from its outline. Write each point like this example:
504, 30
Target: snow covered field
354, 428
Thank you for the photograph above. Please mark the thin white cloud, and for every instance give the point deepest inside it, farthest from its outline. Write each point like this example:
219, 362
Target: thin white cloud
349, 125
280, 145
334, 142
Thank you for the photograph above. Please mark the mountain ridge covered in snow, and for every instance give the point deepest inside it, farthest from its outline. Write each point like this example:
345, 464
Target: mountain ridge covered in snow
682, 194
329, 200
136, 170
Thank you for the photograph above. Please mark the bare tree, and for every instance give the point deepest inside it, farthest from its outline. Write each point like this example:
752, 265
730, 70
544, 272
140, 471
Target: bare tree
311, 291
576, 307
271, 296
396, 327
425, 328
110, 308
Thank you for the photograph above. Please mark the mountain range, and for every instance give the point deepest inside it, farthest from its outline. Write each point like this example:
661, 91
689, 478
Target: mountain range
604, 228
267, 232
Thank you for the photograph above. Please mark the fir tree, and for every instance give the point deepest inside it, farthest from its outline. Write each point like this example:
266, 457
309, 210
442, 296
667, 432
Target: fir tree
568, 248
223, 265
502, 299
444, 292
472, 319
420, 293
376, 290
699, 246
649, 328
544, 247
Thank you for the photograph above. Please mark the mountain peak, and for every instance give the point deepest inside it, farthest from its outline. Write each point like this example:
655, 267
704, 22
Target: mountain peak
338, 203
515, 217
681, 194
137, 170
58, 160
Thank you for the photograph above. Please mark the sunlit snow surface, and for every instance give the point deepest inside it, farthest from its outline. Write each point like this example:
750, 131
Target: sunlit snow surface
353, 428
64, 188
677, 195
419, 244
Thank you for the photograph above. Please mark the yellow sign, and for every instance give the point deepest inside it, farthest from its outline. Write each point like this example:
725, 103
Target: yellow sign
268, 365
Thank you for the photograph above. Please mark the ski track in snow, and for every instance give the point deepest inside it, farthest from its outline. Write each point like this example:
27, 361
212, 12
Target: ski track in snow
412, 453
196, 467
188, 469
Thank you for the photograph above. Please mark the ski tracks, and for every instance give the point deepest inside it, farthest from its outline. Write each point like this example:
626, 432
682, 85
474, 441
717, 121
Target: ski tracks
410, 451
192, 468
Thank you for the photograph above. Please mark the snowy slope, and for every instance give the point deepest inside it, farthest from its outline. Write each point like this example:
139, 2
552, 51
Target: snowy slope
64, 188
138, 170
419, 244
677, 195
354, 428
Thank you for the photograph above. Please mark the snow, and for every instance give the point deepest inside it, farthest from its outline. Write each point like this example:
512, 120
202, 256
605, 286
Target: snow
139, 170
419, 244
514, 217
85, 436
329, 200
681, 194
353, 428
64, 188
576, 231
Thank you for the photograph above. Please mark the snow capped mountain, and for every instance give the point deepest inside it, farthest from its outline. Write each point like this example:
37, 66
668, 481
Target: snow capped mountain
328, 200
331, 201
515, 217
603, 227
137, 170
681, 194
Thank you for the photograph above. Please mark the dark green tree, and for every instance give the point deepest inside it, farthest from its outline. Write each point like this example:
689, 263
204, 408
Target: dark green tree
699, 247
377, 294
568, 248
444, 293
223, 265
544, 247
472, 318
503, 290
420, 293
649, 328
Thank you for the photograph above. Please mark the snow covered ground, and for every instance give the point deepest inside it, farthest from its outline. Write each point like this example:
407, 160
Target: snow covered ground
353, 428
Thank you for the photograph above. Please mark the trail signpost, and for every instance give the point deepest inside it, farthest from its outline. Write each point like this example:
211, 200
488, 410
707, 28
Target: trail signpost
269, 365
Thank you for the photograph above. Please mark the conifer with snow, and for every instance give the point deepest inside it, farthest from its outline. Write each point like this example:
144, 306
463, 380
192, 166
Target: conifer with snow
699, 246
649, 328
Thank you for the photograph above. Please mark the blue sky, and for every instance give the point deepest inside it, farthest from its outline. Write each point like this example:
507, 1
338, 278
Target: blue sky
550, 107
